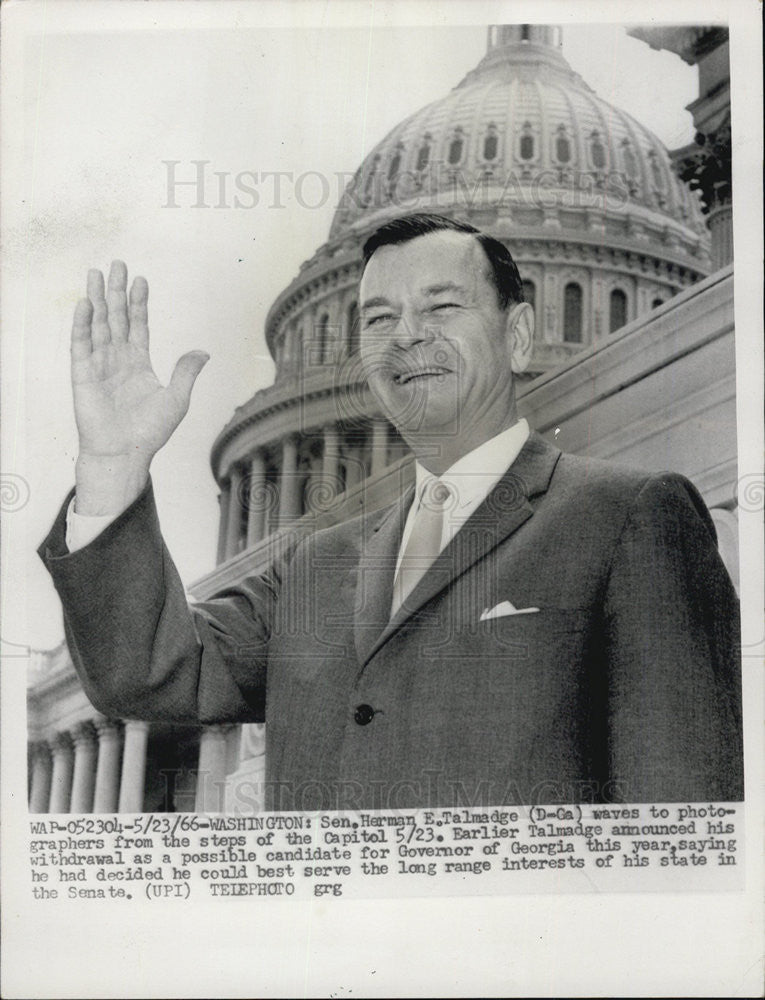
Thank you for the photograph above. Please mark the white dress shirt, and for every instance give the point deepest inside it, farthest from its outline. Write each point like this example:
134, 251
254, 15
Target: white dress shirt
81, 529
470, 480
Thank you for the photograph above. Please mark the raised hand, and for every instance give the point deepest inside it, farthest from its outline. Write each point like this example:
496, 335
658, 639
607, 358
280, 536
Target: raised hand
124, 414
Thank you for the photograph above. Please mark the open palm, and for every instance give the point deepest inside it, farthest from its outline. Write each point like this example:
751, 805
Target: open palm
121, 408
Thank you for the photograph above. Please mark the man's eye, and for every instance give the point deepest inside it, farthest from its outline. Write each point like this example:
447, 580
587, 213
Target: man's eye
444, 305
382, 317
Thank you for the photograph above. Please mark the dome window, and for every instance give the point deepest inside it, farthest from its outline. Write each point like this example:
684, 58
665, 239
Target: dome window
369, 183
597, 151
526, 145
394, 166
562, 145
656, 173
423, 154
617, 310
491, 144
455, 147
530, 293
572, 313
656, 303
630, 162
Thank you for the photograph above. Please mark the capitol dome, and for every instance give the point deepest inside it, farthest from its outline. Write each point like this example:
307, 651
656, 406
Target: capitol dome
585, 198
524, 132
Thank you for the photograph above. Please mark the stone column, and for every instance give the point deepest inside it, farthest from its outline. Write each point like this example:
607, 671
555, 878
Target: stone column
61, 781
721, 232
211, 775
331, 461
84, 779
311, 346
379, 444
133, 766
353, 469
234, 520
245, 787
223, 502
257, 500
289, 487
42, 767
106, 796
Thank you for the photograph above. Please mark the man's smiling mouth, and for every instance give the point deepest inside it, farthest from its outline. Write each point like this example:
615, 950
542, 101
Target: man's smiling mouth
401, 378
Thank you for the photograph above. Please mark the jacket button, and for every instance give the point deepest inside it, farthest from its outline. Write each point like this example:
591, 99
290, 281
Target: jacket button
364, 714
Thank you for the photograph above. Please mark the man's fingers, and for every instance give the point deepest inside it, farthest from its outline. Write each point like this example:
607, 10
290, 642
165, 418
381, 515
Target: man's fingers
139, 312
82, 345
116, 301
185, 375
100, 327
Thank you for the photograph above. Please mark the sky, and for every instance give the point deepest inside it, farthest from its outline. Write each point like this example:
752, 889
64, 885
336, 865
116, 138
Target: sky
99, 106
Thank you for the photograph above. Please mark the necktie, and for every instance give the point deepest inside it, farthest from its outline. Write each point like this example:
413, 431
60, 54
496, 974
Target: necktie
424, 543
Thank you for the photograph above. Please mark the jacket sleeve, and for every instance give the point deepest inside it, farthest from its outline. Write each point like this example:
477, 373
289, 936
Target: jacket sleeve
673, 654
141, 651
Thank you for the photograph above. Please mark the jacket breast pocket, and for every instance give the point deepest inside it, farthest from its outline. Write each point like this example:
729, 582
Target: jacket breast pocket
517, 636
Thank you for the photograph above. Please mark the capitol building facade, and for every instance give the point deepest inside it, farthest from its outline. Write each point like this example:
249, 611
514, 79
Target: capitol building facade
625, 253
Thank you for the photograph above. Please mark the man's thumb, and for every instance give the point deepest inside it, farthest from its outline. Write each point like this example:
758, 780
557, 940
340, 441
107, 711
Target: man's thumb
185, 374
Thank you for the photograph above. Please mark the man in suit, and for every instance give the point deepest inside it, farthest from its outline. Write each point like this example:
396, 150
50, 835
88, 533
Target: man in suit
523, 627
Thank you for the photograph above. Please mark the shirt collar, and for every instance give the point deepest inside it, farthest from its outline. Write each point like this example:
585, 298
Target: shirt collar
481, 468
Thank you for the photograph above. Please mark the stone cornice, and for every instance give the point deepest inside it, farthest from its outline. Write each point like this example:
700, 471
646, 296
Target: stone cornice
690, 42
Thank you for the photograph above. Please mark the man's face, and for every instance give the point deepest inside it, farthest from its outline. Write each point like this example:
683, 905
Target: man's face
435, 343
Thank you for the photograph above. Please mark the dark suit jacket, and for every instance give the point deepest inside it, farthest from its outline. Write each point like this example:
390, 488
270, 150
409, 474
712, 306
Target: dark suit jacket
624, 686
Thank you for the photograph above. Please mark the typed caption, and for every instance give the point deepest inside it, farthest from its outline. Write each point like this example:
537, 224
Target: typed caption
470, 851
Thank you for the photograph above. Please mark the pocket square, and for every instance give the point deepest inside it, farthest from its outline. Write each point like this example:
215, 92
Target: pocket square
505, 608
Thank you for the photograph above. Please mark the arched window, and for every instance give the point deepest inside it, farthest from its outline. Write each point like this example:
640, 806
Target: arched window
423, 154
597, 151
455, 147
617, 310
656, 303
530, 293
572, 313
525, 32
353, 329
526, 147
490, 144
562, 146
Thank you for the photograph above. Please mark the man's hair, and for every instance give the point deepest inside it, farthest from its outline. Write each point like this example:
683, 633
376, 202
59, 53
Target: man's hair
503, 271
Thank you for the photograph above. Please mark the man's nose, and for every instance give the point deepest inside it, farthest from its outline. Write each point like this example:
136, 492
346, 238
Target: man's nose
413, 329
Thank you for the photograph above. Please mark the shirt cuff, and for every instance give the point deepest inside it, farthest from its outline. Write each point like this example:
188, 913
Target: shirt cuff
81, 529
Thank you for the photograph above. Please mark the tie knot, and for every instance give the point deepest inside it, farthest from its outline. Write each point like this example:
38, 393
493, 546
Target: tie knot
435, 495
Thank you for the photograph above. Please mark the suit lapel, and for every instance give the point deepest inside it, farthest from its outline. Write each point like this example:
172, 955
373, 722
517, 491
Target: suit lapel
374, 582
503, 511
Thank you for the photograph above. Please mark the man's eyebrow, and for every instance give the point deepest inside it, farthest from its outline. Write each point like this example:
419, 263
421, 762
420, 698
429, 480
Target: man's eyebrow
379, 300
444, 286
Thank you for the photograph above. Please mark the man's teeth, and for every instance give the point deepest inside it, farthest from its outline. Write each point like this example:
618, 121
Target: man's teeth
403, 377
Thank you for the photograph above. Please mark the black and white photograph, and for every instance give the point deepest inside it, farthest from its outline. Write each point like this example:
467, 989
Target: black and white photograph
382, 499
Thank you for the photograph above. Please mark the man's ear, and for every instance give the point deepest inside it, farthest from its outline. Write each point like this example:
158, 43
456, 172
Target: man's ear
520, 331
